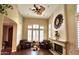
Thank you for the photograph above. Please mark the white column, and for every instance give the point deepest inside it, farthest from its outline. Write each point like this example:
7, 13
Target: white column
14, 38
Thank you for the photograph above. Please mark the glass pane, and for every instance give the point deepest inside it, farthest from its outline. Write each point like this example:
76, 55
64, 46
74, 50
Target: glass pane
41, 35
50, 27
30, 35
49, 34
41, 27
77, 8
77, 31
29, 26
35, 26
35, 35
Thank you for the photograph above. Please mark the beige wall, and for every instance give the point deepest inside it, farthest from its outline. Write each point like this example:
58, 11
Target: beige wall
28, 21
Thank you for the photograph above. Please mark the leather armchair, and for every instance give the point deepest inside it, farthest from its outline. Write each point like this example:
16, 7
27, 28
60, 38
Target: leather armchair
45, 44
24, 44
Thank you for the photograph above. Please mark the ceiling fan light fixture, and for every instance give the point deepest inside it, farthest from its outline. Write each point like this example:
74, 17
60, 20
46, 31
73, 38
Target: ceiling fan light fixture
38, 9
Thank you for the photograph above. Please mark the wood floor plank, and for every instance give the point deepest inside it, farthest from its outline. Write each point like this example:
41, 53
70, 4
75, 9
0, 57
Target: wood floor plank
31, 52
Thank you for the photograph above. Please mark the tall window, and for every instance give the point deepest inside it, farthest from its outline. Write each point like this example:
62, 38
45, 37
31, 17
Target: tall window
50, 33
77, 29
35, 32
77, 26
29, 35
29, 32
41, 33
77, 8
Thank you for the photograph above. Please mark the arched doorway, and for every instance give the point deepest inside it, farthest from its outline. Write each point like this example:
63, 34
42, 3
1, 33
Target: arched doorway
9, 36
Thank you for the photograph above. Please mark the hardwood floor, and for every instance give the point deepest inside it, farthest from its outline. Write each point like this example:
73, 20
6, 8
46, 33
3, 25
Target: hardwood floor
31, 52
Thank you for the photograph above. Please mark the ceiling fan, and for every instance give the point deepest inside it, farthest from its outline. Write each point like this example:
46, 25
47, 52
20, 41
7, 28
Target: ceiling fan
38, 9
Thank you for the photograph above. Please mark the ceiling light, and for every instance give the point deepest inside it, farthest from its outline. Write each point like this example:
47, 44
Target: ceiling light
38, 9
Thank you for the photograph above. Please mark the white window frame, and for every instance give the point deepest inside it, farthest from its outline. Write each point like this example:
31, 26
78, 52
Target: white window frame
50, 31
39, 29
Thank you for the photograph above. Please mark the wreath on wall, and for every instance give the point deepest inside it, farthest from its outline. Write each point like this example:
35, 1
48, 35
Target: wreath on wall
58, 21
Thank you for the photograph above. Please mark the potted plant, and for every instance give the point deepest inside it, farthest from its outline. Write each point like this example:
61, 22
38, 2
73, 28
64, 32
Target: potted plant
4, 7
57, 35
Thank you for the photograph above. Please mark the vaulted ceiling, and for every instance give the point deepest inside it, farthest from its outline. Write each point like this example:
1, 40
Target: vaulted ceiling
26, 10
